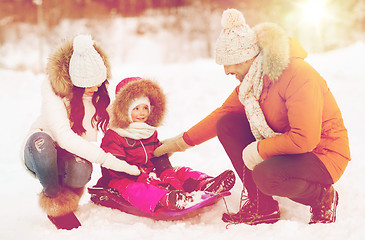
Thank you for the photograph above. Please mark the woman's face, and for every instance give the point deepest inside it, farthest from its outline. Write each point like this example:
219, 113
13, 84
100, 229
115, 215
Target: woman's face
91, 90
140, 113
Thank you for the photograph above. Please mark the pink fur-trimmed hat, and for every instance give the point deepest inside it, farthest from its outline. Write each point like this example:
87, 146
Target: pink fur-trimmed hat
124, 82
136, 90
237, 42
134, 102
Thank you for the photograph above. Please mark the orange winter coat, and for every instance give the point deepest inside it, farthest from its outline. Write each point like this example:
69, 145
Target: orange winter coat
300, 106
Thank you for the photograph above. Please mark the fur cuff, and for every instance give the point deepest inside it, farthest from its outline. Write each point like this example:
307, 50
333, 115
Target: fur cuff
67, 201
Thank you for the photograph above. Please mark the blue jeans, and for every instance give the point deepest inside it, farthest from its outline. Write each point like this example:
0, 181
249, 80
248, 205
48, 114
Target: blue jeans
54, 166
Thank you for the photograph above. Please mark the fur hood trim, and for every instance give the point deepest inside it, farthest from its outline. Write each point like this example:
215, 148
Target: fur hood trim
132, 90
274, 44
58, 66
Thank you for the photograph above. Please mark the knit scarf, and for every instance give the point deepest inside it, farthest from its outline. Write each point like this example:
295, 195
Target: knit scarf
249, 95
136, 131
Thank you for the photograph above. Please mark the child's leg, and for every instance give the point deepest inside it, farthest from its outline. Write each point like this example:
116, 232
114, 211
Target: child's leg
143, 196
185, 173
192, 180
198, 181
165, 172
169, 176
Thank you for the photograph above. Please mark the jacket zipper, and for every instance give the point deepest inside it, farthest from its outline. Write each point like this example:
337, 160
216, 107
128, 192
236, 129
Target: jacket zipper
145, 152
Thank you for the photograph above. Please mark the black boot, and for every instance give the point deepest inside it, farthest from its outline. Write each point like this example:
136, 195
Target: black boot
325, 210
222, 183
254, 211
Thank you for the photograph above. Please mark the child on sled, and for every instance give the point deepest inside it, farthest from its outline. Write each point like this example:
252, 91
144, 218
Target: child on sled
137, 111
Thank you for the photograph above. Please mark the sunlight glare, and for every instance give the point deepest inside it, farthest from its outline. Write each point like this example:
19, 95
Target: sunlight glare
313, 11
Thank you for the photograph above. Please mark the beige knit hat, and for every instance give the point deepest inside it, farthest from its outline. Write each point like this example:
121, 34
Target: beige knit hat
237, 42
86, 67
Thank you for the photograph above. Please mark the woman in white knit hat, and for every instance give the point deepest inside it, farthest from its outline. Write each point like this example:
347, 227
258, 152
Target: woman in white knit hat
61, 145
281, 127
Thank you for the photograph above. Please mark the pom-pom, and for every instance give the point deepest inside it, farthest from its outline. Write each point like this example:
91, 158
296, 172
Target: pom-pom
82, 43
232, 18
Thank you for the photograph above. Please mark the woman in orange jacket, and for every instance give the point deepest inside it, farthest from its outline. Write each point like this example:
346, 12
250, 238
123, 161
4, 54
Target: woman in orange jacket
281, 127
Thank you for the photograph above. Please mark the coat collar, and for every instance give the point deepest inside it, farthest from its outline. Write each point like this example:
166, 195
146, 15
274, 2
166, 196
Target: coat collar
277, 49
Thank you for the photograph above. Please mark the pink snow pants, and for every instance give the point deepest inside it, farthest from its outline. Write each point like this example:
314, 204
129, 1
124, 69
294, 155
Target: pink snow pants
145, 194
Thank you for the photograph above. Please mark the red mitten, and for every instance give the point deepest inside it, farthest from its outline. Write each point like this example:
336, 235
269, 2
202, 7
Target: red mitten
143, 178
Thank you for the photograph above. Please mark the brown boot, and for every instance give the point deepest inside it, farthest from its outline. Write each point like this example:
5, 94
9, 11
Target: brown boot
254, 211
325, 210
60, 208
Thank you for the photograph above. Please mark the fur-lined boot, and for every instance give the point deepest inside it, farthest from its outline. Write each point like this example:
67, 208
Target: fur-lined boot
60, 209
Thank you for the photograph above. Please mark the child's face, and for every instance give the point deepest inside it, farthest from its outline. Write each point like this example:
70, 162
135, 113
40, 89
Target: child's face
140, 113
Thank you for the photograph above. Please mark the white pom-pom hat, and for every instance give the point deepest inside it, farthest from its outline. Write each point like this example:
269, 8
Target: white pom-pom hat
237, 42
86, 68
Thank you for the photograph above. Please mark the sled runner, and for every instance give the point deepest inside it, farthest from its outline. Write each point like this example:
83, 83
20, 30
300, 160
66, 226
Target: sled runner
109, 197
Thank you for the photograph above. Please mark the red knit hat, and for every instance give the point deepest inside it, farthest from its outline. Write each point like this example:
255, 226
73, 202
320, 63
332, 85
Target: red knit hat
124, 82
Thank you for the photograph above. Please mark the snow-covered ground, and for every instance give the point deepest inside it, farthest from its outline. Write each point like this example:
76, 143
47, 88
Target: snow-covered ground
193, 90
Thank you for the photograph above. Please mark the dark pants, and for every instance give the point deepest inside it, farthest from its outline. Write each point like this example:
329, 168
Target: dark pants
300, 177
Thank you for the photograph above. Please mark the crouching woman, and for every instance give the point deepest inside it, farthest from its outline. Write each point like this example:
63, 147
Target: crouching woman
59, 149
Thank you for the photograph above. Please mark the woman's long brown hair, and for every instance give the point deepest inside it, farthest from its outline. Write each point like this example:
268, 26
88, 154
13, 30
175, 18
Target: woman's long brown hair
100, 100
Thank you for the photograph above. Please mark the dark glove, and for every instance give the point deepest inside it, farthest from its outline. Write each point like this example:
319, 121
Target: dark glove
161, 164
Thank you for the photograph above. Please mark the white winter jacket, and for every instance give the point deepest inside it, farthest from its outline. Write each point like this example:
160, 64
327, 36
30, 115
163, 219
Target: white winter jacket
54, 121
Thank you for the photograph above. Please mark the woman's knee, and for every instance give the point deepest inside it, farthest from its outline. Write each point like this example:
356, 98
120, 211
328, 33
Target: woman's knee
77, 172
40, 141
40, 153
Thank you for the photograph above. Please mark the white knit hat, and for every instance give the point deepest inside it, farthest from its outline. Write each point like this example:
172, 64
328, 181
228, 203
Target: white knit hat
86, 67
237, 42
136, 102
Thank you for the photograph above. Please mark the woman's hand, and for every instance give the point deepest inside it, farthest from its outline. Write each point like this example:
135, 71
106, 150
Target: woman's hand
171, 145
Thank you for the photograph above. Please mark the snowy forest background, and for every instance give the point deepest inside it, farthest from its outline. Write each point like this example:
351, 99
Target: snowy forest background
171, 27
172, 42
